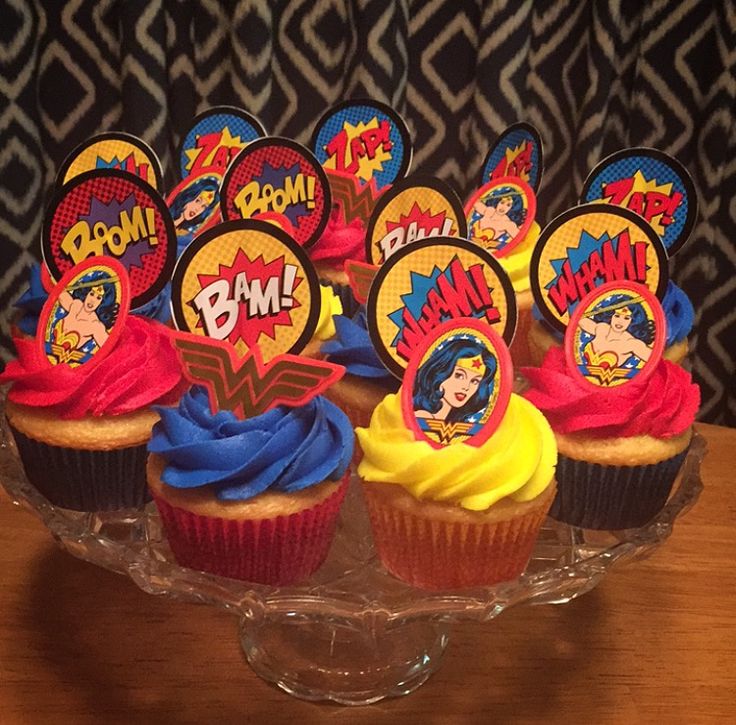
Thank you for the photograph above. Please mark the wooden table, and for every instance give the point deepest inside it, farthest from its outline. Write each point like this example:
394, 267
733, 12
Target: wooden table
655, 642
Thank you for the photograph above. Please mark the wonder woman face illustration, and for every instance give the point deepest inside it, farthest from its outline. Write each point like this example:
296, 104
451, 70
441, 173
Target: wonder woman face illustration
93, 298
621, 319
195, 207
504, 205
462, 383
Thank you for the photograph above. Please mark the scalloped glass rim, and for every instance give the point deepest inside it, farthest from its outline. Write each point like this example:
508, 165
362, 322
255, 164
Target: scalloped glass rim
351, 584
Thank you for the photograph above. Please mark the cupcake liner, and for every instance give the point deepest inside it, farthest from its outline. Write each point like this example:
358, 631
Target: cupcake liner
343, 291
278, 551
521, 355
593, 496
84, 480
435, 554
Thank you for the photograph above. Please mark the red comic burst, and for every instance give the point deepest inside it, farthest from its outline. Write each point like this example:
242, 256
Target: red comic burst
427, 223
258, 297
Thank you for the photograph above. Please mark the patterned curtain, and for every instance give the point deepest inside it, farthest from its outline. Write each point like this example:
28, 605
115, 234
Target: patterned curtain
592, 76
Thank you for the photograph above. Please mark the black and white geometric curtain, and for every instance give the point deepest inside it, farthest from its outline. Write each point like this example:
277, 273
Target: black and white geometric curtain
592, 76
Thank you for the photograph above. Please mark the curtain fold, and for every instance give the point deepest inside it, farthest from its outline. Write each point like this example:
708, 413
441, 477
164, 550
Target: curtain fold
593, 77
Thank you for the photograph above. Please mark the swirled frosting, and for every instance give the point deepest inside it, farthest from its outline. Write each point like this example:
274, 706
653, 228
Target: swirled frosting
516, 262
662, 406
678, 312
339, 242
284, 449
142, 369
517, 461
353, 349
330, 305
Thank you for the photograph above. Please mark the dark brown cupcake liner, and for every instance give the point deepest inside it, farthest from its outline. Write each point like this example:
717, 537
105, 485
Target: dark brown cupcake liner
83, 480
593, 496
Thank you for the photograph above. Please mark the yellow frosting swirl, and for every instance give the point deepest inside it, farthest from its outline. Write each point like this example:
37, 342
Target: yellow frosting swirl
517, 461
516, 264
329, 305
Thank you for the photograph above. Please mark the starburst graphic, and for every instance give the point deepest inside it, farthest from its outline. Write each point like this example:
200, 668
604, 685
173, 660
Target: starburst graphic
227, 140
275, 177
352, 150
264, 293
518, 160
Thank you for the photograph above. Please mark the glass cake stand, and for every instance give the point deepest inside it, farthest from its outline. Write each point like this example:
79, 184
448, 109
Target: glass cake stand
352, 633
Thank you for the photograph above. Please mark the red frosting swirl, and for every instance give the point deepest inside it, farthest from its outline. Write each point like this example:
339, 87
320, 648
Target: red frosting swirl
340, 241
662, 406
142, 369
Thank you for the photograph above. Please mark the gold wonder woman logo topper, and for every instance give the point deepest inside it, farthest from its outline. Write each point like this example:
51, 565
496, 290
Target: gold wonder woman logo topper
244, 296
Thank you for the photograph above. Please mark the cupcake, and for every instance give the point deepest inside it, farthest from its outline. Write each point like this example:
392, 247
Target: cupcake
81, 432
330, 305
458, 516
366, 381
620, 449
254, 499
678, 311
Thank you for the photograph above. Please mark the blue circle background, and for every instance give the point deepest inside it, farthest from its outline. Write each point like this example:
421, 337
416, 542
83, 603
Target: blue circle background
214, 124
513, 140
652, 169
355, 114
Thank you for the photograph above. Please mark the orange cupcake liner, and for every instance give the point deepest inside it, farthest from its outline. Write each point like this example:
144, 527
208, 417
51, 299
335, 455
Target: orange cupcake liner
278, 551
434, 554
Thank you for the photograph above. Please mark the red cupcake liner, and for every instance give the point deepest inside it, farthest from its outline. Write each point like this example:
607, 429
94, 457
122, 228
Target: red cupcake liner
278, 551
434, 554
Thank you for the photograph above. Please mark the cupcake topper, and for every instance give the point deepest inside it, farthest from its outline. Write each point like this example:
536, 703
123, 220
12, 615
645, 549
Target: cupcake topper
360, 278
429, 282
616, 334
353, 199
110, 213
500, 213
457, 384
652, 184
84, 313
365, 139
517, 152
413, 209
244, 292
113, 150
214, 138
278, 175
587, 246
194, 204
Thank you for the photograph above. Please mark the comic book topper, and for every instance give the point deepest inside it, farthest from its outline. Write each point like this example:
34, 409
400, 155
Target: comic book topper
457, 384
428, 283
85, 313
412, 209
585, 247
355, 200
113, 150
616, 334
517, 152
278, 175
215, 138
500, 213
652, 184
194, 204
249, 283
364, 138
113, 214
360, 278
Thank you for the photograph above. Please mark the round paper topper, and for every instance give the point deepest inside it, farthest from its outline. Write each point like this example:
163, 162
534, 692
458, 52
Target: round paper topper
429, 282
113, 214
413, 209
215, 138
616, 334
278, 175
517, 152
247, 282
652, 184
85, 313
194, 204
457, 384
364, 138
588, 246
113, 150
500, 214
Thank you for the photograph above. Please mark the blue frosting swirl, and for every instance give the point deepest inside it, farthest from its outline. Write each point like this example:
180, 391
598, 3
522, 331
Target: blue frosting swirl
159, 308
352, 347
284, 449
678, 311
